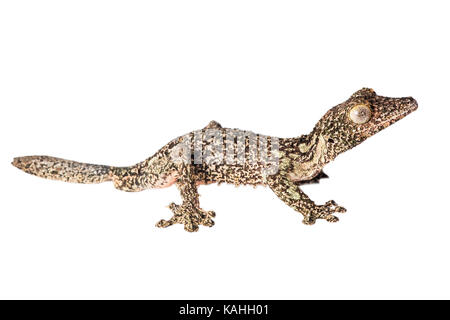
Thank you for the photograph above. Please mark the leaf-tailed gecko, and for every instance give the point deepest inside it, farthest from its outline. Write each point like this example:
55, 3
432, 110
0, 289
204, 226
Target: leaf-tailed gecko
221, 155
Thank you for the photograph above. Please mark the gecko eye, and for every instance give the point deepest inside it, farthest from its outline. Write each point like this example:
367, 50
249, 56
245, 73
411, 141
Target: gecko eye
360, 114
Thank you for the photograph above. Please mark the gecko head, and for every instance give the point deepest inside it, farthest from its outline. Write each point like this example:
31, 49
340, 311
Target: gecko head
360, 117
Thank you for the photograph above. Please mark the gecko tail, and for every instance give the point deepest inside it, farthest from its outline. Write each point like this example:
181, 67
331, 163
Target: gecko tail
64, 170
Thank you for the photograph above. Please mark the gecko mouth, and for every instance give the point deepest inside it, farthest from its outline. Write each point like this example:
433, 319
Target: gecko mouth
403, 111
394, 119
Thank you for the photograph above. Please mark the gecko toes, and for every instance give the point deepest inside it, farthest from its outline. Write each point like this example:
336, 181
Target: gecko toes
172, 206
208, 223
341, 209
189, 227
188, 215
332, 206
332, 218
309, 221
164, 223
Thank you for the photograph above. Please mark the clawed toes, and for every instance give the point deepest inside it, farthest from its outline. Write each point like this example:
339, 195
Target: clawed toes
207, 220
340, 209
332, 218
332, 206
164, 223
208, 223
331, 203
188, 215
172, 206
189, 227
308, 220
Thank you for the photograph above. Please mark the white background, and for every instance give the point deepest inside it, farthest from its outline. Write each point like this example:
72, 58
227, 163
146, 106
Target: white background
110, 82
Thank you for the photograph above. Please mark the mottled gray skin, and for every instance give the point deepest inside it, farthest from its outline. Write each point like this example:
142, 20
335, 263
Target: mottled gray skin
301, 160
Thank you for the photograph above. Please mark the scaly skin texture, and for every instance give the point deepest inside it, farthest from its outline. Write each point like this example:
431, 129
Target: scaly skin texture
300, 160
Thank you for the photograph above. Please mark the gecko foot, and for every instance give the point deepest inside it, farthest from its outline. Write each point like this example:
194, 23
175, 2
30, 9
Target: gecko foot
334, 207
324, 212
188, 215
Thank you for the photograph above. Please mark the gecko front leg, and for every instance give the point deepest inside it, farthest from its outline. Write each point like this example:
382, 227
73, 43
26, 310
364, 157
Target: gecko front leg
189, 212
294, 197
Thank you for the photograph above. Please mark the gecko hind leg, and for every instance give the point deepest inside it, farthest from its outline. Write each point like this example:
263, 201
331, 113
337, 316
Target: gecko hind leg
189, 212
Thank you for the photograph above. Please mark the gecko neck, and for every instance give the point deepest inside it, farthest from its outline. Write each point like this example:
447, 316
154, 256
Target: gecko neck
313, 157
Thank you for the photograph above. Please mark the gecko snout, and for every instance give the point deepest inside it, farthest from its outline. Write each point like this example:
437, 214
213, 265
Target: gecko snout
412, 103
